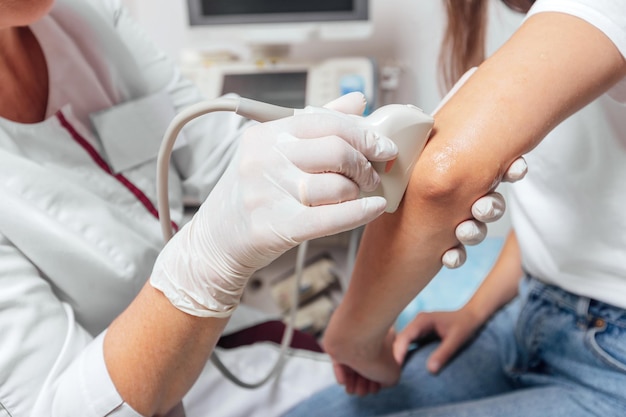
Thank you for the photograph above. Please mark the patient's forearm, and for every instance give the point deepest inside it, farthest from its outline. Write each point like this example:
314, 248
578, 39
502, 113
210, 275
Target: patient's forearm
551, 67
500, 285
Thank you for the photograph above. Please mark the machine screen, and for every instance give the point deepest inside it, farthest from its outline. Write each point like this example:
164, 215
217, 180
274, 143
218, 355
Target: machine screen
286, 89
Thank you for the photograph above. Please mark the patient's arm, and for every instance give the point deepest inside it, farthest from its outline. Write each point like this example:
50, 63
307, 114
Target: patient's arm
550, 68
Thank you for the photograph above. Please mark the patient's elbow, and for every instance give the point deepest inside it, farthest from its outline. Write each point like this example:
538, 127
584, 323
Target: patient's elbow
450, 181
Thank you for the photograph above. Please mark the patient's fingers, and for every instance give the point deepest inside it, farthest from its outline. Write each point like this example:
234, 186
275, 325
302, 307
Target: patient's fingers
340, 374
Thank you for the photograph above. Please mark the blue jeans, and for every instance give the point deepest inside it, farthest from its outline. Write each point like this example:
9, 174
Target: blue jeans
549, 353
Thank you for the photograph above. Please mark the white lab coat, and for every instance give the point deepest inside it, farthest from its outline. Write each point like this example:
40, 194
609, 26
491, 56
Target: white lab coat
78, 235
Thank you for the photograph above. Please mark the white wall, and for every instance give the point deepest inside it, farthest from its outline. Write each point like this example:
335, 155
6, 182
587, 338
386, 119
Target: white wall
406, 33
409, 40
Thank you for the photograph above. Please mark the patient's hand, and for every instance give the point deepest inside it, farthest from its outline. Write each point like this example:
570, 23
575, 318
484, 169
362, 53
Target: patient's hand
363, 370
354, 383
454, 328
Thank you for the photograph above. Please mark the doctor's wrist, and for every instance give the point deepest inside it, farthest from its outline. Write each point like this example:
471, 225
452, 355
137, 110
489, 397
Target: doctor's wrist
197, 278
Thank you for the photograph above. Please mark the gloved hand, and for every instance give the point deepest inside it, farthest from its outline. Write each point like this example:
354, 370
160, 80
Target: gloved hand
486, 209
291, 180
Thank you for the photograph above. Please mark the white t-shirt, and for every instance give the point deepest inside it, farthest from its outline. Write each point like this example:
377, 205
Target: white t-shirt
568, 212
606, 15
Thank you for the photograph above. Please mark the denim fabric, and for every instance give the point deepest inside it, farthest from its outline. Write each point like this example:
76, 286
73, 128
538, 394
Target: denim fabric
547, 354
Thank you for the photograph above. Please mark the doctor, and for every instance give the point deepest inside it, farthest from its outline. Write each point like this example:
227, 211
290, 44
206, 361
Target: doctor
83, 99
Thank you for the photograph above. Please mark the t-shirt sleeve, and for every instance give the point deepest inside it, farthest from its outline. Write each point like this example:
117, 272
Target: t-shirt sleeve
609, 16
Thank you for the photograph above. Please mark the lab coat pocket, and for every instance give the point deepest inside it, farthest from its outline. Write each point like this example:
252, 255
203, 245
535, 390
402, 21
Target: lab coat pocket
131, 132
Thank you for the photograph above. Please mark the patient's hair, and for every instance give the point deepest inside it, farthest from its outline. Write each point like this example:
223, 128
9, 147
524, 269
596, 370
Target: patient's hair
463, 45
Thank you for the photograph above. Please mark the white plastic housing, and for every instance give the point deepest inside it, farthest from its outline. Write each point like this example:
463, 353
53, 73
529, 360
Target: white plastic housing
409, 127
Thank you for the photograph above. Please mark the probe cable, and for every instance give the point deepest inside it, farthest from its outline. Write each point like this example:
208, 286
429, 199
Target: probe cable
254, 110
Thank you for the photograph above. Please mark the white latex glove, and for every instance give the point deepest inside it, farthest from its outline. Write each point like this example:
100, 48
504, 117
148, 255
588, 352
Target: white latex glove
291, 180
486, 209
352, 103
